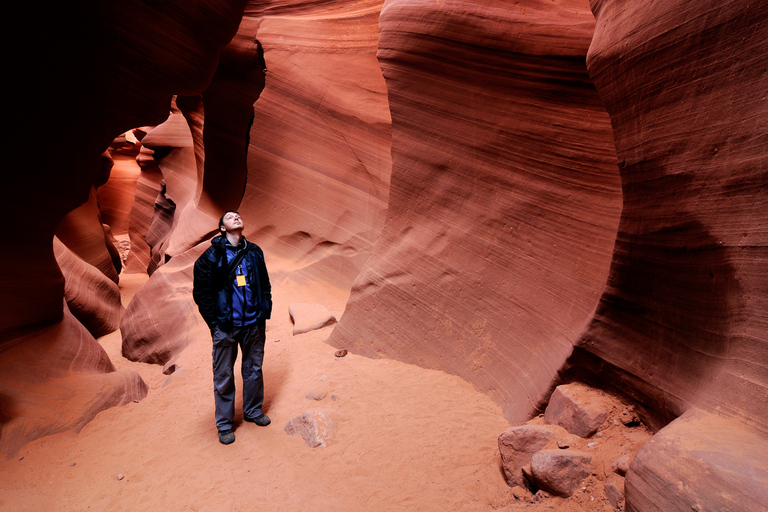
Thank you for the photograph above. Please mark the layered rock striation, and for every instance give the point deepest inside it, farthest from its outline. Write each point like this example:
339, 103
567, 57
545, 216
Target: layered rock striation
682, 324
319, 158
307, 165
683, 315
455, 164
505, 196
109, 68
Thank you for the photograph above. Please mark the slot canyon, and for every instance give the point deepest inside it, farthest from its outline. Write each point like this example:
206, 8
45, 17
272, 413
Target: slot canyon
494, 200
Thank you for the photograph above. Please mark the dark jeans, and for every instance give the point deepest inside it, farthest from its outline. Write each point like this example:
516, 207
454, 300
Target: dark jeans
251, 340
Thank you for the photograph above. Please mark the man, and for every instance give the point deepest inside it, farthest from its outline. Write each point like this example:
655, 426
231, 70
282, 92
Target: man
232, 291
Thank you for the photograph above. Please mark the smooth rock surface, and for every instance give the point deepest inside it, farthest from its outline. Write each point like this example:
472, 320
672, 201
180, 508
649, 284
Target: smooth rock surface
56, 379
88, 72
682, 323
700, 461
149, 186
683, 320
158, 331
92, 297
83, 233
505, 196
318, 158
308, 317
510, 249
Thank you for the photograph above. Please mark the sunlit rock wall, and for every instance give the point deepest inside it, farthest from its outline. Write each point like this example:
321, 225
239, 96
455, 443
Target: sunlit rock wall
92, 297
504, 200
82, 232
306, 160
319, 157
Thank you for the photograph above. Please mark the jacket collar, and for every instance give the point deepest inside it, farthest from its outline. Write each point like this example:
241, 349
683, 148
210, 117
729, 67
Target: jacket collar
222, 243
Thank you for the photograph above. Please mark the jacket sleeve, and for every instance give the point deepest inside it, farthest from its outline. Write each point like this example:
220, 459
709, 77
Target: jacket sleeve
266, 288
202, 289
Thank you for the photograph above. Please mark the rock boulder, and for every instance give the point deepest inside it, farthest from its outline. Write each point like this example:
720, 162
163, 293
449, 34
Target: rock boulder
578, 408
517, 446
559, 472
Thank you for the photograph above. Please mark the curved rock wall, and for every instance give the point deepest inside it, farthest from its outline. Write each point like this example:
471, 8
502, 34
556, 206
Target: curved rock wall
684, 311
682, 325
319, 157
57, 378
83, 233
149, 187
505, 196
110, 67
92, 297
313, 183
510, 249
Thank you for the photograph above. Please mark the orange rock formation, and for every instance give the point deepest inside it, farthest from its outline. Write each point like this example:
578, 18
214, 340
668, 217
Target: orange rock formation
521, 194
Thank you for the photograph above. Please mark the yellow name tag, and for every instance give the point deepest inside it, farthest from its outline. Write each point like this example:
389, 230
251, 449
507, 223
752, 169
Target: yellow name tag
240, 280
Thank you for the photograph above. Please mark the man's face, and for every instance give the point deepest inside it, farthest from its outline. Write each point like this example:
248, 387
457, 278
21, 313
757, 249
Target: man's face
232, 222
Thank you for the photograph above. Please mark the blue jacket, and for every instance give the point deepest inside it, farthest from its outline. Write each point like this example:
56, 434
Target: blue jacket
213, 285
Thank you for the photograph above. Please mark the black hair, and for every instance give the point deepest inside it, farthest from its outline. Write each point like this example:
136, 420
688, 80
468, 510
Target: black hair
221, 220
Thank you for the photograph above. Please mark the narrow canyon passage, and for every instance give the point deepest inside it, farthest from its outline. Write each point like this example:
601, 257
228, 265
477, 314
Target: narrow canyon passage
516, 194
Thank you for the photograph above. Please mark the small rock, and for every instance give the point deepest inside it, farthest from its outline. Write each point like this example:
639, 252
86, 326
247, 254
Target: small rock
517, 445
628, 417
562, 445
614, 495
341, 353
592, 445
314, 427
277, 340
621, 465
21, 457
120, 476
577, 408
72, 464
317, 395
560, 472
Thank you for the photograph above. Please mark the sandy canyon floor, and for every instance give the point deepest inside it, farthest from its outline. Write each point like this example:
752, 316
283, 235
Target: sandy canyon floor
404, 438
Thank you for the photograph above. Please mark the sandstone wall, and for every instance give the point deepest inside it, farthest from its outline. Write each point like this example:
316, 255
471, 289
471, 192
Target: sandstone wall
684, 313
505, 196
319, 157
469, 149
86, 73
307, 165
682, 325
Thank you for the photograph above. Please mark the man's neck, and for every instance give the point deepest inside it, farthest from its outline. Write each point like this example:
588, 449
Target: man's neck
234, 237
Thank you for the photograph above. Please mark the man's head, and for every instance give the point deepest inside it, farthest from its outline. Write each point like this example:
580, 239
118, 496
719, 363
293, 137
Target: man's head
230, 221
